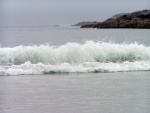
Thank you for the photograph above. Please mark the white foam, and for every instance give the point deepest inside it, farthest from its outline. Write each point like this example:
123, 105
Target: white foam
88, 67
74, 57
74, 53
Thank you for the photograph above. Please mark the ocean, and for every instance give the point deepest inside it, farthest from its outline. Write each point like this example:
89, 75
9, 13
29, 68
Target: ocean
66, 69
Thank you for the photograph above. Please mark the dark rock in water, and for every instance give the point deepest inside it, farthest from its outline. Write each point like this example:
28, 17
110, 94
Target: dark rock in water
138, 19
86, 23
89, 26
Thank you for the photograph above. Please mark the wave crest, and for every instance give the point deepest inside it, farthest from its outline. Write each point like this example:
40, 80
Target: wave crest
75, 53
74, 58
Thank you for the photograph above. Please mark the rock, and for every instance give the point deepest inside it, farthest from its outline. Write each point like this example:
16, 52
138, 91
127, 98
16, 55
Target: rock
123, 23
113, 23
146, 23
89, 26
85, 23
138, 19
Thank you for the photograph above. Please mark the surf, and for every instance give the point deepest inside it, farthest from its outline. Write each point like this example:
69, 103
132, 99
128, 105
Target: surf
74, 57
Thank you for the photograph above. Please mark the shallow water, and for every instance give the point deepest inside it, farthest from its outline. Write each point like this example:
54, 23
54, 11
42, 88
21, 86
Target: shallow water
122, 92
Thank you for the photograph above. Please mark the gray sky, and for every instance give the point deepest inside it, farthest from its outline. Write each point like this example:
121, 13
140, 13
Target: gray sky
64, 12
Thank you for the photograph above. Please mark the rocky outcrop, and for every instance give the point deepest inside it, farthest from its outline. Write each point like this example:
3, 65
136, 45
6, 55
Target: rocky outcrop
86, 23
138, 19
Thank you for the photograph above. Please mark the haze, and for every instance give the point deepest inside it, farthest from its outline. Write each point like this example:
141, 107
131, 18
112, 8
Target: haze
63, 12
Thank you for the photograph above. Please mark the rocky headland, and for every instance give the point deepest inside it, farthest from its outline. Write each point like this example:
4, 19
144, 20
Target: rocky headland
138, 19
86, 23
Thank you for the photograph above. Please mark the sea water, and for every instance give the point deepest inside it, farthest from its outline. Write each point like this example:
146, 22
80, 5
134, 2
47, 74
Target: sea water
71, 70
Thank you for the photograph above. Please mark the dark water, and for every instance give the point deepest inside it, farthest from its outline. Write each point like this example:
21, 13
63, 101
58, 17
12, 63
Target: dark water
122, 92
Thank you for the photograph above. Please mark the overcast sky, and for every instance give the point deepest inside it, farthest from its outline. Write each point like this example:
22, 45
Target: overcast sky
64, 12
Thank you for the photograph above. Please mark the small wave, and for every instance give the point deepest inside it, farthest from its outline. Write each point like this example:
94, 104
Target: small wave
89, 67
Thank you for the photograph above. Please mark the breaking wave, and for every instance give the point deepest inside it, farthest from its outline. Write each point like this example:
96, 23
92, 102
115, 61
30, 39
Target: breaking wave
74, 57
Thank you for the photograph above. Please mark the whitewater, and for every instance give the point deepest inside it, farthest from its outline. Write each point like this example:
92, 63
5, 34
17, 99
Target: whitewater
88, 57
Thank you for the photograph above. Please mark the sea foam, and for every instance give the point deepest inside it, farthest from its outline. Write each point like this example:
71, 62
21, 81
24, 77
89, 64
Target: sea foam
74, 57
